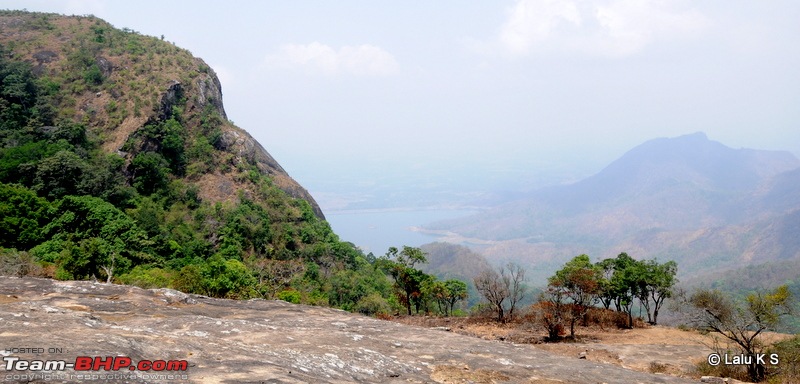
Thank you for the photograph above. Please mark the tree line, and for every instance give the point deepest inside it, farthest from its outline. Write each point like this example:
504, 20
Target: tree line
579, 286
619, 283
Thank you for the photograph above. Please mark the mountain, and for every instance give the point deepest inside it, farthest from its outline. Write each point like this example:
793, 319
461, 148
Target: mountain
118, 162
688, 199
453, 261
119, 82
781, 193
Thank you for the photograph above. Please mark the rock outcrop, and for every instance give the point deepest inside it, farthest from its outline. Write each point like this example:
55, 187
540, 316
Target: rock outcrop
117, 92
249, 150
260, 341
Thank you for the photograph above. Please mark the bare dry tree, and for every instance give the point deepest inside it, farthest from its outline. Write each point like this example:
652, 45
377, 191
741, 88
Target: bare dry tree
490, 285
503, 290
513, 276
109, 268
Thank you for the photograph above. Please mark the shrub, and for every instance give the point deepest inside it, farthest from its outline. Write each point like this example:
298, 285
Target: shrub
226, 278
144, 277
483, 311
373, 305
189, 280
550, 317
93, 76
656, 367
738, 372
609, 318
17, 263
290, 296
788, 370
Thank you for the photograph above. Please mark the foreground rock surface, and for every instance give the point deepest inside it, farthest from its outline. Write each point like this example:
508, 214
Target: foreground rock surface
260, 341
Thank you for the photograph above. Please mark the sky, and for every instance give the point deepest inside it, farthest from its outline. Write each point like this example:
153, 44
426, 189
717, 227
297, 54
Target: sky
348, 94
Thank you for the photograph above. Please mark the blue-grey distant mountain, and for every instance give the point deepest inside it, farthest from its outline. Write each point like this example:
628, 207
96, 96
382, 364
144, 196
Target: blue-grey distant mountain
686, 162
782, 193
687, 198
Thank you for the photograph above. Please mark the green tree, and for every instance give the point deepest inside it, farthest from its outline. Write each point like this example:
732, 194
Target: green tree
173, 145
22, 216
226, 278
72, 133
94, 257
658, 282
408, 281
607, 294
17, 163
104, 177
348, 287
437, 291
59, 175
90, 234
580, 281
409, 256
150, 172
25, 104
18, 94
456, 291
622, 286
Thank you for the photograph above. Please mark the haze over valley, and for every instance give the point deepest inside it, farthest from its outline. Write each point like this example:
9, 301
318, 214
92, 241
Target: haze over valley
689, 198
383, 108
526, 173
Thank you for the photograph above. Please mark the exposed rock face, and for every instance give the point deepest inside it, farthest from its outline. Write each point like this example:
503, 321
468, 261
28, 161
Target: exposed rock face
169, 99
45, 56
105, 66
251, 151
42, 58
209, 91
258, 341
134, 92
237, 141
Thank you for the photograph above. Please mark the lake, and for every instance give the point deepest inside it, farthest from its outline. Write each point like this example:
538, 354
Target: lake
377, 230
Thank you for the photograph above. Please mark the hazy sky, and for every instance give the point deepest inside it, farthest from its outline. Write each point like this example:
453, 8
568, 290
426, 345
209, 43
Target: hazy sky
331, 88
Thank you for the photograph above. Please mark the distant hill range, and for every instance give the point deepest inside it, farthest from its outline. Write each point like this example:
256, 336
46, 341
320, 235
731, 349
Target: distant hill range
709, 207
452, 261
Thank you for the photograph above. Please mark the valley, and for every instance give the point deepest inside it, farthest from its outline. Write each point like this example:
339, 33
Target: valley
137, 219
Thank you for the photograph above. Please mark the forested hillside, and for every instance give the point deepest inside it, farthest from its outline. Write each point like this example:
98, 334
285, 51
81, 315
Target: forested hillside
117, 162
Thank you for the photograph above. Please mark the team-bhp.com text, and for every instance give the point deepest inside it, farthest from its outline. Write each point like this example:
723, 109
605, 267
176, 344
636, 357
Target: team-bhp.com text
86, 363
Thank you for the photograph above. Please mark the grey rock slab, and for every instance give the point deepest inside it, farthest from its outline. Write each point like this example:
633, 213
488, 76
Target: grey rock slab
261, 341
